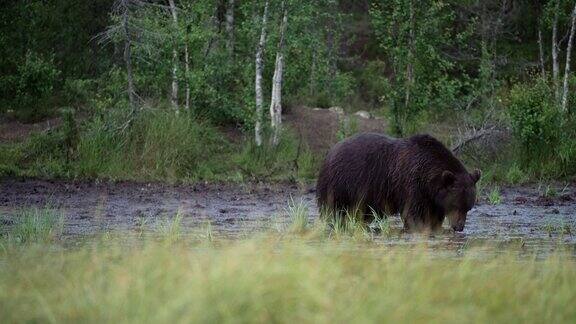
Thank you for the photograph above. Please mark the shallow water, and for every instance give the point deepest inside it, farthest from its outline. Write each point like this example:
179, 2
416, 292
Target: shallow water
524, 219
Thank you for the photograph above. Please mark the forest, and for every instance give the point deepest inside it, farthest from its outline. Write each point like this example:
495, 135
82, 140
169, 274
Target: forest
193, 133
143, 87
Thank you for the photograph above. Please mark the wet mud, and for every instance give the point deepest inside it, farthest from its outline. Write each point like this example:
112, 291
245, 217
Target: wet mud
524, 218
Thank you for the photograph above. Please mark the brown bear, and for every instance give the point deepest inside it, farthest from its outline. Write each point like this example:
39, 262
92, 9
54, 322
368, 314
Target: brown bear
417, 177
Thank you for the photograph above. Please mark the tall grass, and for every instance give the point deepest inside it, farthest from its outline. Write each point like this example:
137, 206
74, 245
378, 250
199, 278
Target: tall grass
157, 145
299, 214
171, 229
267, 281
291, 159
36, 225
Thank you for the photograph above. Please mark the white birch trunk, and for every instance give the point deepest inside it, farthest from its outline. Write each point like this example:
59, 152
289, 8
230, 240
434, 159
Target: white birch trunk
541, 52
174, 94
230, 26
410, 66
258, 81
555, 64
567, 67
187, 70
276, 100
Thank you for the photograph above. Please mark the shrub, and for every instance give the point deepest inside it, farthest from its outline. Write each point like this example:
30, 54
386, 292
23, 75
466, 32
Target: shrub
31, 87
535, 120
155, 145
291, 160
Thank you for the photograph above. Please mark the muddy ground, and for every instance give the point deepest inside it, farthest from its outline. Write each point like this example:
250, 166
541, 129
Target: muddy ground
524, 217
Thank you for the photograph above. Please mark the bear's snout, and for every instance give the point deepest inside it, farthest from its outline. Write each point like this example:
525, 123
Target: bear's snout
458, 227
457, 221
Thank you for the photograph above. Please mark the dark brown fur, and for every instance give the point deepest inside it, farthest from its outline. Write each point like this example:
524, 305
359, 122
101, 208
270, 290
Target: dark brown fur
417, 177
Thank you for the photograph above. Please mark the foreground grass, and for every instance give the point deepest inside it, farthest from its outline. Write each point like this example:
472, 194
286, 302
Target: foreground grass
267, 280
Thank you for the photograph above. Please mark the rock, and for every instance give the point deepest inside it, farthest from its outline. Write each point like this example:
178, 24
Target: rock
337, 110
520, 200
363, 114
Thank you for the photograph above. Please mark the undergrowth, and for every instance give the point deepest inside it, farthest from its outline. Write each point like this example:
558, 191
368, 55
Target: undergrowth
154, 145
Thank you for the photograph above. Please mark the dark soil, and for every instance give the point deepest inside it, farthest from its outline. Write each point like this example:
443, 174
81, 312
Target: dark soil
319, 127
524, 217
15, 131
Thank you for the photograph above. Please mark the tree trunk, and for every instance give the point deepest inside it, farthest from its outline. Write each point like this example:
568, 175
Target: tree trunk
410, 66
230, 26
212, 39
187, 70
541, 51
174, 94
128, 57
312, 85
276, 100
567, 67
258, 81
555, 64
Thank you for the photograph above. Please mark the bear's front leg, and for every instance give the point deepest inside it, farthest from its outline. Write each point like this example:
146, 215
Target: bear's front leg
413, 217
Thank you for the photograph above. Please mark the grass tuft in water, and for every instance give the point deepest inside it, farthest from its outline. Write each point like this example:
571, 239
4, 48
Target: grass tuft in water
171, 229
347, 224
495, 197
298, 213
36, 225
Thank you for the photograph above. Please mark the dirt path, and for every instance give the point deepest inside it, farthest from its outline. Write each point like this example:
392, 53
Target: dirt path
15, 131
523, 216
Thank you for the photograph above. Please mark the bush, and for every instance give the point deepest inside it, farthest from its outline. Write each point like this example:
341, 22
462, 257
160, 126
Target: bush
535, 121
291, 159
156, 145
31, 87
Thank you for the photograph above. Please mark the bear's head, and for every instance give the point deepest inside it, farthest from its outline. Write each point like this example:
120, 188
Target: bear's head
457, 196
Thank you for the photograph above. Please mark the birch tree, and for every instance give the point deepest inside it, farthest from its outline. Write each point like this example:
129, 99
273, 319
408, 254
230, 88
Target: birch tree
230, 26
258, 79
567, 65
555, 64
420, 70
276, 98
174, 93
187, 68
541, 51
410, 64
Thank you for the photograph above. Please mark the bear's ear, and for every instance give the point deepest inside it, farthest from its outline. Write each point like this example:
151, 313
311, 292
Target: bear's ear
448, 178
476, 174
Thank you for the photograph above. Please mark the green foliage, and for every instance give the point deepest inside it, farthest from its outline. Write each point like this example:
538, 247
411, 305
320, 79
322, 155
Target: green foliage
30, 89
291, 159
535, 120
374, 84
155, 145
347, 126
421, 74
44, 45
494, 197
515, 175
